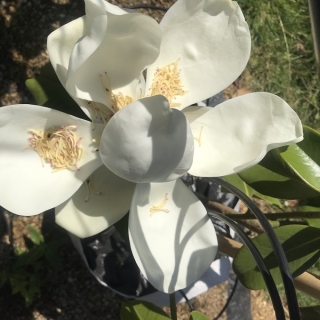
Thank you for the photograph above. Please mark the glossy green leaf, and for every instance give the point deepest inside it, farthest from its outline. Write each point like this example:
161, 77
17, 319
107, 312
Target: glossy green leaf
310, 313
195, 315
35, 235
235, 180
304, 158
49, 92
311, 205
141, 310
274, 178
300, 243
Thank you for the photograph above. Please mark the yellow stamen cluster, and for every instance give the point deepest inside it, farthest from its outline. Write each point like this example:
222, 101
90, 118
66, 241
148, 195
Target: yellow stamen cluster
167, 82
119, 101
160, 206
57, 146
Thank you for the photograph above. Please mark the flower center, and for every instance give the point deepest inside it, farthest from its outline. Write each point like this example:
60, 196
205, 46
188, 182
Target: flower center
57, 146
119, 101
167, 82
160, 206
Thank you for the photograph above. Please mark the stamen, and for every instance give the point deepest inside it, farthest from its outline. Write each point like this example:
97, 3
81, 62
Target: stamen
90, 187
198, 139
57, 146
118, 101
167, 82
160, 206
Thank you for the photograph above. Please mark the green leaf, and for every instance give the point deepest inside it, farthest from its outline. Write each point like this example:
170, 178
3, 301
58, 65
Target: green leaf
300, 243
18, 283
195, 315
49, 92
30, 258
274, 178
310, 313
311, 205
35, 235
235, 180
304, 158
37, 91
20, 251
141, 310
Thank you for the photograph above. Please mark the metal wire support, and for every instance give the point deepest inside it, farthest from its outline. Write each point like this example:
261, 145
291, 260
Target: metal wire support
271, 286
287, 279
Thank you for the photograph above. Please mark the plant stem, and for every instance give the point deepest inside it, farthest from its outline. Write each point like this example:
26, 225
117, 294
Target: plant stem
173, 306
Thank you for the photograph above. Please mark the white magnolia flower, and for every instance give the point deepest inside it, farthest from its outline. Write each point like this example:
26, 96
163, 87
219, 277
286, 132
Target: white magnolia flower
152, 135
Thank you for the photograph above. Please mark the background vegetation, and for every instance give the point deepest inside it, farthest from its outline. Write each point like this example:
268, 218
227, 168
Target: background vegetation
282, 59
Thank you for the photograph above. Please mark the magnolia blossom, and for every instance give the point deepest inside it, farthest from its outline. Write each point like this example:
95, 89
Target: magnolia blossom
152, 135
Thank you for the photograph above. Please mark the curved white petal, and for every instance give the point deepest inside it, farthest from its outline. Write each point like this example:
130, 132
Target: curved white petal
112, 56
173, 247
95, 8
147, 142
237, 133
29, 186
60, 44
212, 42
97, 205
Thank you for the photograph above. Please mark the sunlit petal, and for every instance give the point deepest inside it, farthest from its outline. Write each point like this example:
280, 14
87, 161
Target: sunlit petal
97, 205
147, 142
171, 237
111, 57
238, 133
29, 185
211, 42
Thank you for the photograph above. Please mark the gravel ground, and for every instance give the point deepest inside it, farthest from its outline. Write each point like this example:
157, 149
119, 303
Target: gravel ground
72, 293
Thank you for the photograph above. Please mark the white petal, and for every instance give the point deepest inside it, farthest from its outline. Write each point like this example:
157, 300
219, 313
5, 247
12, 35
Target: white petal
212, 41
60, 44
173, 248
237, 134
29, 187
147, 142
100, 7
112, 56
100, 211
